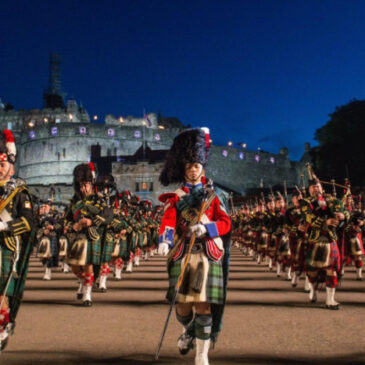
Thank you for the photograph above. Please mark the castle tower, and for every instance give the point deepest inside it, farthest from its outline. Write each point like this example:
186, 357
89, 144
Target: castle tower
53, 96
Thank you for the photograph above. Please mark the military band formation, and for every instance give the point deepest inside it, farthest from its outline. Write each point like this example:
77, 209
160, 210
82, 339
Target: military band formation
103, 233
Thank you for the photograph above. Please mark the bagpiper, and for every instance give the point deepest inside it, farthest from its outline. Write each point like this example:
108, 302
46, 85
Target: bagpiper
48, 233
86, 220
205, 281
16, 228
322, 253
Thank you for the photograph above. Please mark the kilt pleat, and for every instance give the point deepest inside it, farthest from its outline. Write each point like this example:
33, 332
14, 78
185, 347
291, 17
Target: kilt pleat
107, 248
214, 285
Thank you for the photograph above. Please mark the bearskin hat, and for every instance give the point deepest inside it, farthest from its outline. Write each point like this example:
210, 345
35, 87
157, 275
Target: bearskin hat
191, 145
7, 146
82, 173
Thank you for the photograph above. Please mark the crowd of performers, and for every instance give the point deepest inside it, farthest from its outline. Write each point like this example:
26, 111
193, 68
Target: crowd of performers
316, 235
98, 233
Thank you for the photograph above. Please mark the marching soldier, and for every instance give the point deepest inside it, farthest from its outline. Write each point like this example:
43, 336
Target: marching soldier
203, 286
16, 225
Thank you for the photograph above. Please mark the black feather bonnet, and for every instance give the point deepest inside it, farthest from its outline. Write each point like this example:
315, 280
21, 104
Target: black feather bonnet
82, 173
191, 145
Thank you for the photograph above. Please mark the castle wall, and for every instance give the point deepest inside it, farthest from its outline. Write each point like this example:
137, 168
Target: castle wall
52, 142
240, 170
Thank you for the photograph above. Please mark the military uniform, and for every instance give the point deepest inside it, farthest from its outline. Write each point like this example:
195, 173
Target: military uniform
205, 279
16, 239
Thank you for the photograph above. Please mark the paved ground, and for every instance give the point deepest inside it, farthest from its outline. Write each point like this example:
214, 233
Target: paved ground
266, 321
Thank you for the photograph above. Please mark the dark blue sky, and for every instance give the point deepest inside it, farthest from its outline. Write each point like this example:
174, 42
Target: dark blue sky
264, 72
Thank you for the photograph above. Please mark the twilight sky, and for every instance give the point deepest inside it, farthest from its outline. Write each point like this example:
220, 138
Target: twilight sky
263, 72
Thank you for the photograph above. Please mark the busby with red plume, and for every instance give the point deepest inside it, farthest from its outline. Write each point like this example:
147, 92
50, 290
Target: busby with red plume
189, 146
7, 146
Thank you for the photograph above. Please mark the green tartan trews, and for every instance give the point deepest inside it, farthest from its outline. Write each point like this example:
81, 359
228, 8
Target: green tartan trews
214, 285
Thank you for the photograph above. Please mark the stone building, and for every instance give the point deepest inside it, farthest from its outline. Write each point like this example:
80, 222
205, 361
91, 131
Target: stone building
53, 140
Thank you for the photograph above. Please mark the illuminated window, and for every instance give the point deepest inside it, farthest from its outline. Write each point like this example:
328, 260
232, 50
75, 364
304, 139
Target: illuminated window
31, 134
137, 134
224, 153
272, 160
82, 130
111, 132
54, 131
58, 120
157, 137
10, 125
241, 155
144, 186
257, 158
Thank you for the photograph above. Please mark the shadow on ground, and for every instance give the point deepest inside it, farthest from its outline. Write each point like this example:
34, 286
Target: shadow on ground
43, 358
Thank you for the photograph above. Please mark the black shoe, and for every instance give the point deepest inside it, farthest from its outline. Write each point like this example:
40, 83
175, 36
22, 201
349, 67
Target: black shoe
4, 343
333, 307
87, 303
185, 343
103, 290
79, 296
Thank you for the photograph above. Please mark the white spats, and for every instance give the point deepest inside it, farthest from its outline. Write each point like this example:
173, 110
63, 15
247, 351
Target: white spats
118, 273
136, 260
294, 279
102, 282
359, 273
306, 284
259, 258
312, 293
185, 342
47, 274
278, 269
288, 274
129, 266
330, 298
202, 349
86, 297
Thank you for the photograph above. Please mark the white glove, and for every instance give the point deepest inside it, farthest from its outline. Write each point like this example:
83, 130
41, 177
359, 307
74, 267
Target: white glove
163, 249
199, 230
3, 226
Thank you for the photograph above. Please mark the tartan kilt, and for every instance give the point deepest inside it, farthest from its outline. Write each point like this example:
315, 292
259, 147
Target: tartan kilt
140, 239
330, 261
93, 252
132, 243
107, 248
214, 285
123, 249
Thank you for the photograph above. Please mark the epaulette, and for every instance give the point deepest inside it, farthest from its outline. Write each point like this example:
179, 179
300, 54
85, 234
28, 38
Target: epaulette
166, 196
